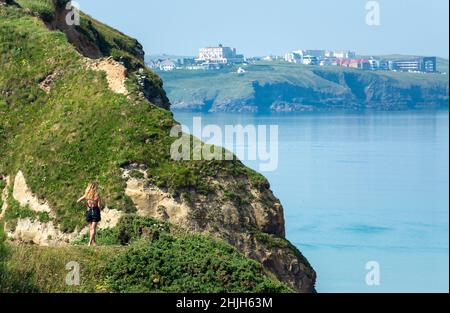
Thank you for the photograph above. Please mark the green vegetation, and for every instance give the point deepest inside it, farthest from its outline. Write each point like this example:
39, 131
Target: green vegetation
279, 86
272, 241
96, 39
11, 279
82, 131
139, 255
130, 229
2, 187
43, 269
112, 43
78, 130
16, 212
238, 200
3, 254
190, 263
258, 179
44, 8
136, 174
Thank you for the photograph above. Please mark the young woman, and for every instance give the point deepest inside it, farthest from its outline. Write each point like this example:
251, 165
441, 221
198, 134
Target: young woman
93, 216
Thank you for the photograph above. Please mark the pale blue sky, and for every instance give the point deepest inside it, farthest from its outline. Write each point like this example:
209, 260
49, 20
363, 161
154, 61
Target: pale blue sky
262, 27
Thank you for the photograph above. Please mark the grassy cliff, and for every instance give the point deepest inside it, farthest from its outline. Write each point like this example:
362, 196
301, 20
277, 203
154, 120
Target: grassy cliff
81, 130
283, 87
63, 125
138, 255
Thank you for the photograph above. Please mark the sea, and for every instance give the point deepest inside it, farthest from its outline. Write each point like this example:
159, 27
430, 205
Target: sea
366, 195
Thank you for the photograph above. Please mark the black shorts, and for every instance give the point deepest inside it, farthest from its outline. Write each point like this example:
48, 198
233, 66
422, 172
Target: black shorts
93, 215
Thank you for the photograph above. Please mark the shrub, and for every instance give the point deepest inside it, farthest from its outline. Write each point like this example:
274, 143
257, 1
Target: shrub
158, 260
43, 8
130, 229
11, 279
190, 263
3, 253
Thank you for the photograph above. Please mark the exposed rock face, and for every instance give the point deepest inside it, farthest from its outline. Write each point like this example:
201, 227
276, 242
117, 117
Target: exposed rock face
25, 197
31, 230
300, 90
230, 203
81, 42
115, 72
110, 218
256, 229
90, 43
48, 82
151, 91
4, 197
44, 233
280, 258
49, 235
217, 211
152, 201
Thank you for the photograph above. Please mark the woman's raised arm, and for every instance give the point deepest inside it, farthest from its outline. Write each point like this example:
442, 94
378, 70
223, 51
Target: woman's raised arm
81, 199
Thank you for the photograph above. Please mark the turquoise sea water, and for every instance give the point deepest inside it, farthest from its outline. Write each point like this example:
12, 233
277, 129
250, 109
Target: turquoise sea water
359, 188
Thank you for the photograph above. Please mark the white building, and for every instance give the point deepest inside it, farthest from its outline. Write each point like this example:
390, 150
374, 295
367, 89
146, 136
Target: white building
219, 54
319, 54
289, 57
310, 60
374, 64
294, 56
167, 65
340, 54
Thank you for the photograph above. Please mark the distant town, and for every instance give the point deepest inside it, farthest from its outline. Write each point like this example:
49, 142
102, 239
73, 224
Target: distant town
218, 57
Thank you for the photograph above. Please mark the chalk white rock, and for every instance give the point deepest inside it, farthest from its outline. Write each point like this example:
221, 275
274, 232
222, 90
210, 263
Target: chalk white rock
25, 197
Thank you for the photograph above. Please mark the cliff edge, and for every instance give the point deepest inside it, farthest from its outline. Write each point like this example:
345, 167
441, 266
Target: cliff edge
78, 104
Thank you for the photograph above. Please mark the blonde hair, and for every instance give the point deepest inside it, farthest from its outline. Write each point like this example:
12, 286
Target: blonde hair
91, 192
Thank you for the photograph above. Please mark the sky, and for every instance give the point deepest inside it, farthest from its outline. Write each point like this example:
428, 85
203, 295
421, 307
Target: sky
264, 27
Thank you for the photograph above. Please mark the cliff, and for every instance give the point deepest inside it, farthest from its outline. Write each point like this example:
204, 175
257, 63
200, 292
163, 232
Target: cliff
280, 87
78, 104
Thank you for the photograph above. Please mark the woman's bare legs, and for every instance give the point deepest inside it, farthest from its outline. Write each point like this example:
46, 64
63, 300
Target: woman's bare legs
91, 234
94, 233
